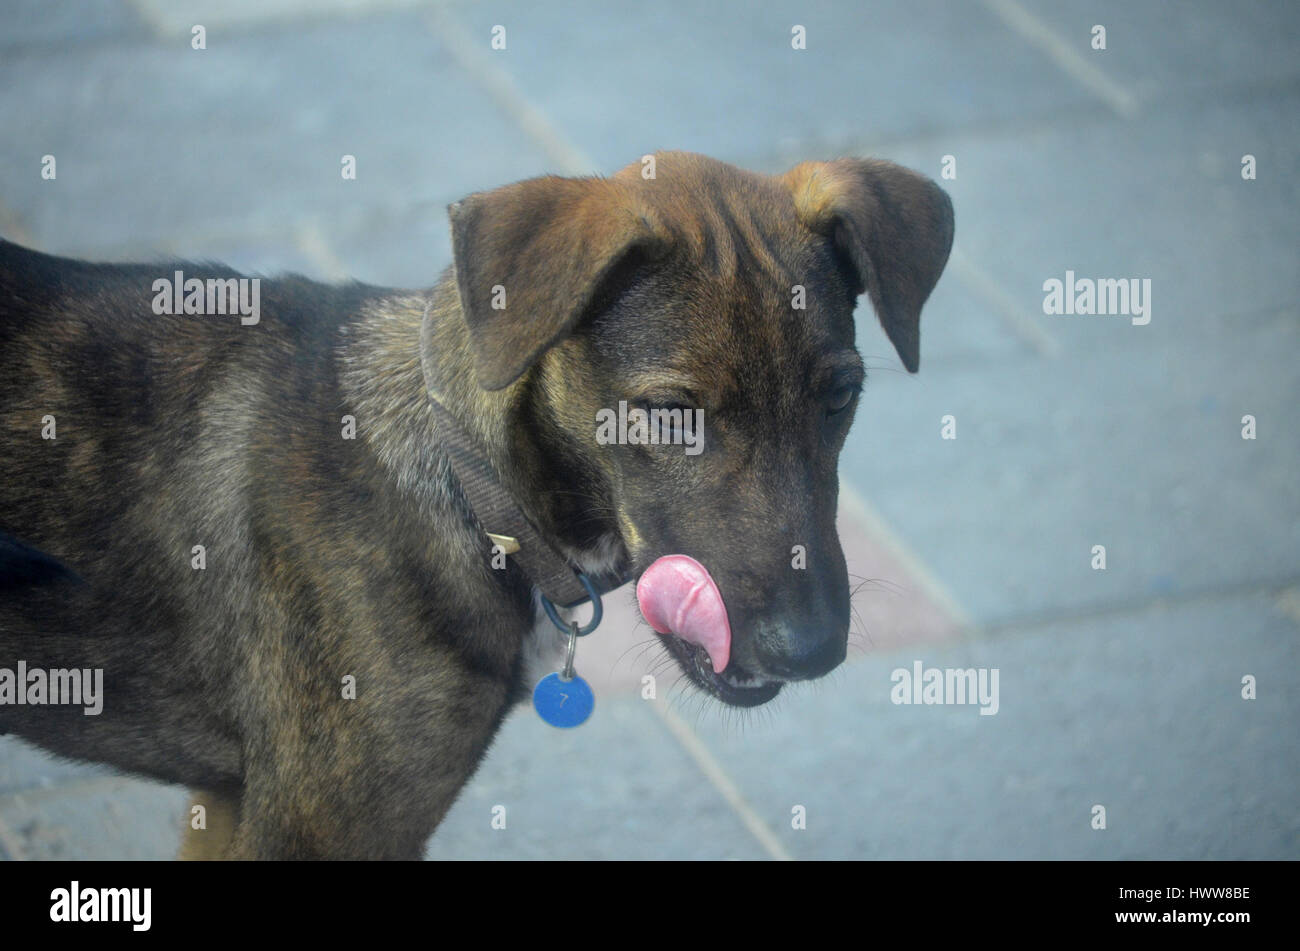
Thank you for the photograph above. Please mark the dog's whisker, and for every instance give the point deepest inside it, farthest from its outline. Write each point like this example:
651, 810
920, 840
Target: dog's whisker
883, 584
643, 647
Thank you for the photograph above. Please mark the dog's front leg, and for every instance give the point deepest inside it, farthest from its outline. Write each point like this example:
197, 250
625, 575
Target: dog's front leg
322, 818
380, 795
210, 824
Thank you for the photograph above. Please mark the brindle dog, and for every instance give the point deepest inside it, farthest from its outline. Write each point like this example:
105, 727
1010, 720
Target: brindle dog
327, 557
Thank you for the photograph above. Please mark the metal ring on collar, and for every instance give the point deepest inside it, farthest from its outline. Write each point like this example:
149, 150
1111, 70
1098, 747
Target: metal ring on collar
597, 609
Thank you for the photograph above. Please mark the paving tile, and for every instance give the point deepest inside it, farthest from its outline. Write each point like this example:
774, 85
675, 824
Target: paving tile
408, 248
723, 78
31, 24
177, 17
1190, 50
617, 787
24, 767
156, 142
111, 818
1140, 713
1130, 433
1052, 457
1158, 198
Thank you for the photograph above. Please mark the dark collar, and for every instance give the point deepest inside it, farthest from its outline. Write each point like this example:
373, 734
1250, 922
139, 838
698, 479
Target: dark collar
502, 521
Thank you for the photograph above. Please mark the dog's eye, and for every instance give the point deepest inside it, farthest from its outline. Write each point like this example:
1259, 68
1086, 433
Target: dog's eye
668, 419
840, 398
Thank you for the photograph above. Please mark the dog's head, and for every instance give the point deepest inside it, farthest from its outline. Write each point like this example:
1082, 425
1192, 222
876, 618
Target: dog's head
724, 300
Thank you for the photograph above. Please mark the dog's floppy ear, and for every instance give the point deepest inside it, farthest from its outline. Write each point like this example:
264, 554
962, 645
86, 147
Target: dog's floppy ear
892, 225
532, 258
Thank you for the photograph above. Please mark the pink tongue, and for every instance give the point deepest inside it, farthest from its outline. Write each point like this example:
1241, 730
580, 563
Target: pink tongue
677, 596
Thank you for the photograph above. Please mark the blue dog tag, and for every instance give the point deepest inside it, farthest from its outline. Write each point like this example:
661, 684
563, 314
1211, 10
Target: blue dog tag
563, 703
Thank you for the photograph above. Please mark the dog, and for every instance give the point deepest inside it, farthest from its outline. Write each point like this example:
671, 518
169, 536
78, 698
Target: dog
250, 523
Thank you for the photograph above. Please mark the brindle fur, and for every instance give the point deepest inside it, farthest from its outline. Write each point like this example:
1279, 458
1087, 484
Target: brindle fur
329, 557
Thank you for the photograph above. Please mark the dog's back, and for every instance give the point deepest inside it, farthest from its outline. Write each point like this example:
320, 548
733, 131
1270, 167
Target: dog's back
202, 507
128, 438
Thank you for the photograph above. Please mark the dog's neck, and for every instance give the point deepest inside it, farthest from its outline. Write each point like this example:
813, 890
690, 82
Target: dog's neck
393, 357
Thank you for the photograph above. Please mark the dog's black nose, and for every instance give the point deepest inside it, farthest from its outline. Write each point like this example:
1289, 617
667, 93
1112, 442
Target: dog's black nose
800, 650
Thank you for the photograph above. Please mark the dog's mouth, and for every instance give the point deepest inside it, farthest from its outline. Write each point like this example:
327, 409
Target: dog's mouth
680, 601
733, 686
